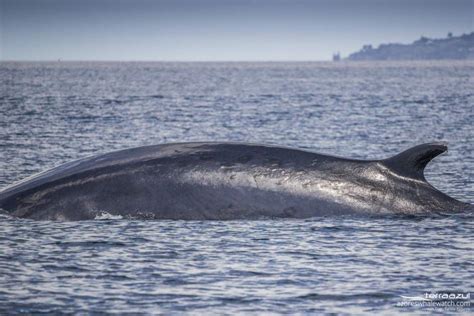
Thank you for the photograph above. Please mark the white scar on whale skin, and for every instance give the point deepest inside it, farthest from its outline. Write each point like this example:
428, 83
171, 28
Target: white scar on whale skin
299, 184
302, 184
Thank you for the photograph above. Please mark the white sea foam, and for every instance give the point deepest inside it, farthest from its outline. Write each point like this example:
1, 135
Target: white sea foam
105, 215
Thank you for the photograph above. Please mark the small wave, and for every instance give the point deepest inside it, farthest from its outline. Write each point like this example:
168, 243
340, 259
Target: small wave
105, 215
346, 297
5, 215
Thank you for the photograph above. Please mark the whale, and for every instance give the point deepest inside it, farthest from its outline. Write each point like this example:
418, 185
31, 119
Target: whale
230, 181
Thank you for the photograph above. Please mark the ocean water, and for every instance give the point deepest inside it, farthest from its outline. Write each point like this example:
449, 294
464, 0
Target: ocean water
51, 113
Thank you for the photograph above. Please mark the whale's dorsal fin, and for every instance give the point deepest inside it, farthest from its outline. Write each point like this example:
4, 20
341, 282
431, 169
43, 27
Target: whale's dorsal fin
412, 162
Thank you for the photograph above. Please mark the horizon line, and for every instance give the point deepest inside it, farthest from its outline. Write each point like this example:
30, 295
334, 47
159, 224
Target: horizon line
344, 60
167, 61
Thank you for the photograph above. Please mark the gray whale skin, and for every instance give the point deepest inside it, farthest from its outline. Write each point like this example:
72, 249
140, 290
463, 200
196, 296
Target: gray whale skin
223, 181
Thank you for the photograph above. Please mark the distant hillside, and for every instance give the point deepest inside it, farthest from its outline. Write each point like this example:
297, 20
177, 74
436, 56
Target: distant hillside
452, 47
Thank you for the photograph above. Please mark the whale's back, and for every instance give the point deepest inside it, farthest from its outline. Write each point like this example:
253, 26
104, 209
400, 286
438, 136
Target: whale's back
226, 153
318, 177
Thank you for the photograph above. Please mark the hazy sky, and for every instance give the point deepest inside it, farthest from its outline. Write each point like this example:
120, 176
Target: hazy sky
218, 29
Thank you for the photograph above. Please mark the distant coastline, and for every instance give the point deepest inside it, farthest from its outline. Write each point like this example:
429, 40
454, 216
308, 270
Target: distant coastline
452, 47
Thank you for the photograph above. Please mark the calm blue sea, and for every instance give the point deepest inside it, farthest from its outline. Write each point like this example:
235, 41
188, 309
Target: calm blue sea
51, 113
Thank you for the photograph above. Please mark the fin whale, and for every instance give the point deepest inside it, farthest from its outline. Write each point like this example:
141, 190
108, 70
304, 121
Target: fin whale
222, 181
